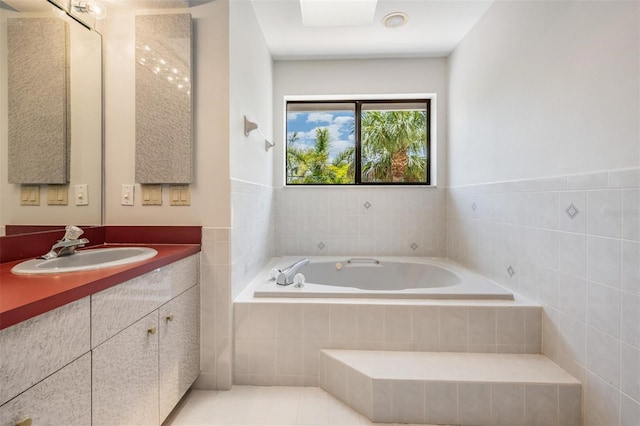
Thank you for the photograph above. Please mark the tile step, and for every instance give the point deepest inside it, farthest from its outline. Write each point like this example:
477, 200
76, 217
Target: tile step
452, 388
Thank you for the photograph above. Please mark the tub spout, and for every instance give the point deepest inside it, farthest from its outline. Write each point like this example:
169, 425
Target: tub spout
285, 277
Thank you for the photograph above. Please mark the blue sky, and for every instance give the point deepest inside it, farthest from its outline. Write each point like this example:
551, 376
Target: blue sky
305, 123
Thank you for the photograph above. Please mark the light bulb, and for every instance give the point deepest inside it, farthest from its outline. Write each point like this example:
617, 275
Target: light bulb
92, 7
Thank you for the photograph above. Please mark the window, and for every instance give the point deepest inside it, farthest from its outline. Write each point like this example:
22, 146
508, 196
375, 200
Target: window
358, 142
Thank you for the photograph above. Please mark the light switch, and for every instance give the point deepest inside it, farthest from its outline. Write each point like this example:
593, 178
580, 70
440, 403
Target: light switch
151, 194
29, 195
180, 195
57, 195
81, 195
127, 194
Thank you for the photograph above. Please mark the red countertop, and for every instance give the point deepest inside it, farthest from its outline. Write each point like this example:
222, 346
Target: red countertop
25, 296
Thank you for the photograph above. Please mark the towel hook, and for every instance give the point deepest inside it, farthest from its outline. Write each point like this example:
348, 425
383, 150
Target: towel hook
250, 126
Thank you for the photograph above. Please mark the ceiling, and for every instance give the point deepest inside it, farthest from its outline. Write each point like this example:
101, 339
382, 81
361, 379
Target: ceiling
434, 28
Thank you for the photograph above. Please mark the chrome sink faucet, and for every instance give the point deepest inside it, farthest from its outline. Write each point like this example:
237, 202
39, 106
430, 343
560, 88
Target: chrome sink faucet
285, 277
68, 244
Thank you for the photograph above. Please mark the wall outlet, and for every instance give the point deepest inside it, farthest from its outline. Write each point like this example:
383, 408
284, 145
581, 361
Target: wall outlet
81, 195
127, 194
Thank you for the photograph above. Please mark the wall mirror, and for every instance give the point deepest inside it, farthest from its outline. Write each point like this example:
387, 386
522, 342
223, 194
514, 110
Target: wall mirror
83, 117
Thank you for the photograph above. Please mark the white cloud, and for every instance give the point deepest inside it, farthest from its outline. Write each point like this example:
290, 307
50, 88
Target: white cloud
320, 117
292, 115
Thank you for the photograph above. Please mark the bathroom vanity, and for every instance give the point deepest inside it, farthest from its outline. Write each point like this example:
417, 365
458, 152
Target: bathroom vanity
124, 353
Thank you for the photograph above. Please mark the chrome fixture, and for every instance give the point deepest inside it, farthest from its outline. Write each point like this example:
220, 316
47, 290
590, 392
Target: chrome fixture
250, 126
68, 244
365, 260
286, 276
92, 7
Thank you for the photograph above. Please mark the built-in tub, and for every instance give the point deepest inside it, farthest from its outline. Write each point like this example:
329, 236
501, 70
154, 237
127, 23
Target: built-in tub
382, 277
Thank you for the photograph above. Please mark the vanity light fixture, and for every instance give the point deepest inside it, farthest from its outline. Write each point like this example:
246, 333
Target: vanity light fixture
250, 126
92, 7
395, 19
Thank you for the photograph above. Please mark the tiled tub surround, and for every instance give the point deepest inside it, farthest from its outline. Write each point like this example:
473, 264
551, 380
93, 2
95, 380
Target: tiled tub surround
573, 244
360, 221
446, 388
277, 342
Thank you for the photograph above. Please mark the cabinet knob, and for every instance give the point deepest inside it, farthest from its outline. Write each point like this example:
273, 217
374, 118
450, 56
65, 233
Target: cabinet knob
25, 422
152, 330
169, 317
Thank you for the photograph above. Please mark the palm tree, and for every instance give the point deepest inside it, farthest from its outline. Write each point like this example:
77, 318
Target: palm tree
312, 165
393, 146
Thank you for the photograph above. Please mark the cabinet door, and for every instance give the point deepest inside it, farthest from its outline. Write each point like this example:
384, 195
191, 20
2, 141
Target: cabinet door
64, 398
179, 322
125, 376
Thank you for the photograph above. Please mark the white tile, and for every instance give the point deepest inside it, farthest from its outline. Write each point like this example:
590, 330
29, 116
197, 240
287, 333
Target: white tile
588, 181
340, 414
604, 260
629, 411
573, 254
510, 326
370, 323
316, 321
603, 308
289, 323
630, 318
541, 404
570, 405
343, 323
604, 218
507, 404
548, 286
441, 403
482, 326
601, 401
572, 296
548, 210
624, 178
408, 402
630, 280
397, 324
548, 248
631, 214
573, 211
425, 324
630, 371
474, 403
572, 338
454, 325
288, 358
603, 356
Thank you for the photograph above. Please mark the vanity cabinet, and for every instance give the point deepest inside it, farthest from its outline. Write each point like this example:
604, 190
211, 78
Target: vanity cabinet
63, 398
179, 340
145, 345
125, 355
125, 376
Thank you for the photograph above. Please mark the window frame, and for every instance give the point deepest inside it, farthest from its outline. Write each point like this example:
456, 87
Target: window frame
358, 102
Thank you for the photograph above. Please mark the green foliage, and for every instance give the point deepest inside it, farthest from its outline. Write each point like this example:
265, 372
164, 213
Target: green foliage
393, 150
312, 165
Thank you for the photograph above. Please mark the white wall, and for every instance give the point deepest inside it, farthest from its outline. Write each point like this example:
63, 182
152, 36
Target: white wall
250, 94
359, 77
210, 190
545, 88
544, 100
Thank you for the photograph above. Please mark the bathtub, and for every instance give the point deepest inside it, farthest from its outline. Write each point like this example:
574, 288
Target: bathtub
381, 277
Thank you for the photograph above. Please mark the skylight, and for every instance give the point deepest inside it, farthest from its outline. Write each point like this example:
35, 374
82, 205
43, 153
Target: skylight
337, 13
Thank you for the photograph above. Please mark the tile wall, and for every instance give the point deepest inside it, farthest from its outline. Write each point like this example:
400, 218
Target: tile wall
216, 340
278, 343
573, 244
252, 242
405, 221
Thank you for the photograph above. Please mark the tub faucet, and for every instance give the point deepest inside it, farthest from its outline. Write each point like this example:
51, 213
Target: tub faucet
68, 244
285, 277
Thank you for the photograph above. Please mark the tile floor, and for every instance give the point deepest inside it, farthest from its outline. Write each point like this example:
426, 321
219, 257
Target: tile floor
264, 405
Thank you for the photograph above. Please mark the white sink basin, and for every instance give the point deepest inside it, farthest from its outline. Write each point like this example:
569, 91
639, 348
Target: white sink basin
85, 260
